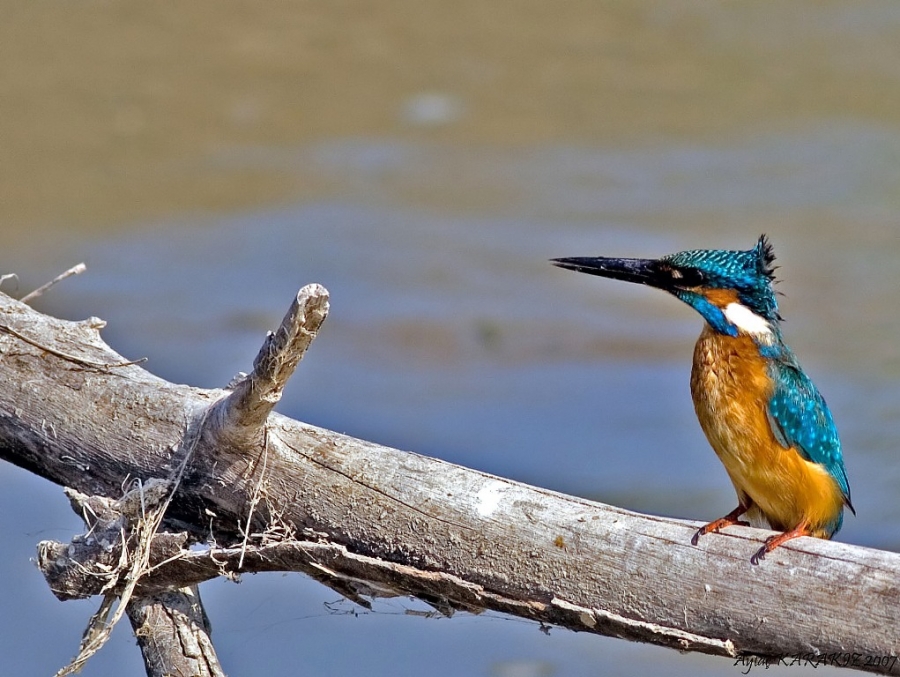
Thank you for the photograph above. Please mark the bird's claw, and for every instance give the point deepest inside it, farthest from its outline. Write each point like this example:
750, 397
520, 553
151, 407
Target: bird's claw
713, 527
775, 541
759, 555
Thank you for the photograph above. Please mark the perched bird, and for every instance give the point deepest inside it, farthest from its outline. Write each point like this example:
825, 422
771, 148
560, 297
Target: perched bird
764, 418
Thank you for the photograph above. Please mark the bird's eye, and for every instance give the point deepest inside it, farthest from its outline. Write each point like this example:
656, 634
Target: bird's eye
688, 277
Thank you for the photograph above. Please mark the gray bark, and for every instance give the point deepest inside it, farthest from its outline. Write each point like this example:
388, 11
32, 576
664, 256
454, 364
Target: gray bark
278, 494
173, 633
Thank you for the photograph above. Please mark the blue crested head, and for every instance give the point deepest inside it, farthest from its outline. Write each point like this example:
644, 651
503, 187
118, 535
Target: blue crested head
749, 273
731, 289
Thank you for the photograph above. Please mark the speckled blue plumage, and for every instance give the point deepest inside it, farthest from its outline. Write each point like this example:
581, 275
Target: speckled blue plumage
800, 418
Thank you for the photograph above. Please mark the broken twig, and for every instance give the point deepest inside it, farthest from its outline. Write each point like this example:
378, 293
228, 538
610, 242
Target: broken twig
74, 270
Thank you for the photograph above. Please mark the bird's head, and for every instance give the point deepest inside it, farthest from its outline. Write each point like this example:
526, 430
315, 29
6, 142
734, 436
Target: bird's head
732, 290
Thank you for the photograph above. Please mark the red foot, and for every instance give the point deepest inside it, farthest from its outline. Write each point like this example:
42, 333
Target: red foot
773, 542
729, 520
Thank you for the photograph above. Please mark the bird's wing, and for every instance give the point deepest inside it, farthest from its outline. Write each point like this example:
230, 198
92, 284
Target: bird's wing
800, 418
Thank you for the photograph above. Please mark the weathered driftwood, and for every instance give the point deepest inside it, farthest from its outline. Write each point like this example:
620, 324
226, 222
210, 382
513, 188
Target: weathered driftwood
277, 494
174, 618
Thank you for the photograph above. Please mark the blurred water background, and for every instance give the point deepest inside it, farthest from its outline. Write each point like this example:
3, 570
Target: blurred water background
423, 160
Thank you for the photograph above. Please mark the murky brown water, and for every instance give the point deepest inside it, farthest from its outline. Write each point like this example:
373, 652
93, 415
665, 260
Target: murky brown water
423, 161
113, 113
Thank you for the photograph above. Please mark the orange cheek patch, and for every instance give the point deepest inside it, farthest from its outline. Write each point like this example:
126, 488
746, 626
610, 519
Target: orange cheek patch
721, 297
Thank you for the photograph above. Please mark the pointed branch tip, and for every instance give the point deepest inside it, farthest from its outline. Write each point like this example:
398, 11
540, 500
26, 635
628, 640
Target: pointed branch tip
245, 410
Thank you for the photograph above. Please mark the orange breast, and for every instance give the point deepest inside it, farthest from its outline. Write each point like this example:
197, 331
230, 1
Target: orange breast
731, 391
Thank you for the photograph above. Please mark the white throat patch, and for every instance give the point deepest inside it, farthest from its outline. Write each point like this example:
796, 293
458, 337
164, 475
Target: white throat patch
747, 321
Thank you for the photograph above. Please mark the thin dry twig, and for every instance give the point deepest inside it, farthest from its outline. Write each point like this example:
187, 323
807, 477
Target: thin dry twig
74, 270
64, 356
254, 500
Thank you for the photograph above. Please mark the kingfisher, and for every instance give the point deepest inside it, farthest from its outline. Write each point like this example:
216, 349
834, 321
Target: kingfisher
764, 418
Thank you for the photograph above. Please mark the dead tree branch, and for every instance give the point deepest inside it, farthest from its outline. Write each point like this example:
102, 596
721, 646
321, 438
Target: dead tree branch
174, 634
278, 494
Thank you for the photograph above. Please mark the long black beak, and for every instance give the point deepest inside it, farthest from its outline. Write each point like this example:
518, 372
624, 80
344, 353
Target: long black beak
642, 271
